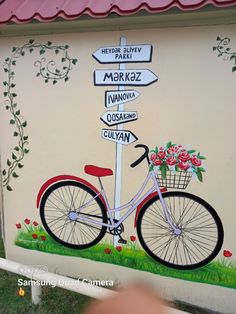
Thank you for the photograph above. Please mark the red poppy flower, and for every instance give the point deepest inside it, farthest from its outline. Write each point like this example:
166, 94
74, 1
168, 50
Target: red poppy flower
43, 238
34, 236
18, 226
132, 238
107, 250
227, 253
35, 223
119, 248
27, 221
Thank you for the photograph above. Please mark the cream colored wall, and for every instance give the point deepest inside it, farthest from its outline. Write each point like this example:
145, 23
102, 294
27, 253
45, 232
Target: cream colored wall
192, 104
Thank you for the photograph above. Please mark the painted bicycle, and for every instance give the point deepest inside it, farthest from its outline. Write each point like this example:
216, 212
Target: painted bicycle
177, 229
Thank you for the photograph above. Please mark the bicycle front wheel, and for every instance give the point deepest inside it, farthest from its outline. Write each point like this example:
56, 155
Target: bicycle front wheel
72, 215
200, 237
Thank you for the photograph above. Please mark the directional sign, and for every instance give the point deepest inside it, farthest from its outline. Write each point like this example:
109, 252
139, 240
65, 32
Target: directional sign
140, 77
126, 54
124, 137
116, 117
113, 98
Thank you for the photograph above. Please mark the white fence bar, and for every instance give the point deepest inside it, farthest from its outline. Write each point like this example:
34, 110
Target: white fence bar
63, 282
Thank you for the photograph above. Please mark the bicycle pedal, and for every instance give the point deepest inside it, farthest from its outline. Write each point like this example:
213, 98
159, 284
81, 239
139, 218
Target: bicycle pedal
123, 241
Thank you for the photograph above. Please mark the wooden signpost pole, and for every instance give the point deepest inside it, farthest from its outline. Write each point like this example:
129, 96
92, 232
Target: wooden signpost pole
119, 148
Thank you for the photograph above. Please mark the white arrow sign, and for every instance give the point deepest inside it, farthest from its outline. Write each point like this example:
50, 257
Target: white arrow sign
128, 53
141, 77
113, 98
116, 117
124, 137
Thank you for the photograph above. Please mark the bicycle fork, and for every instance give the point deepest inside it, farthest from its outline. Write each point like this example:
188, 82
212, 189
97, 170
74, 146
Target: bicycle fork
168, 217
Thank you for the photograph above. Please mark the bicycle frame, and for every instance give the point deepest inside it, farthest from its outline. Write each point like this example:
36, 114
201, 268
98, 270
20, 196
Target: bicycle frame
132, 204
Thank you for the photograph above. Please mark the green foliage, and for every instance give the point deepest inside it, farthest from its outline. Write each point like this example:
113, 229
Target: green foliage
47, 72
223, 50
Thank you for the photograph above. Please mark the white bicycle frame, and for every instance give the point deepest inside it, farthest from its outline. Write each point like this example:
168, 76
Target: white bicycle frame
132, 205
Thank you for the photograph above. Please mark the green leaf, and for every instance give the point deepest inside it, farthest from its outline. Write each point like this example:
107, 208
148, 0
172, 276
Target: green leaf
4, 172
218, 38
202, 169
63, 59
25, 138
151, 167
56, 51
31, 50
176, 168
49, 43
15, 175
13, 85
15, 133
17, 112
191, 151
57, 71
6, 70
42, 51
7, 59
14, 94
5, 83
54, 82
20, 165
232, 57
7, 107
8, 162
46, 81
38, 74
74, 61
26, 151
163, 171
234, 68
201, 157
66, 78
12, 73
214, 48
14, 49
168, 145
66, 46
13, 156
22, 53
12, 121
24, 124
9, 188
64, 68
31, 41
5, 94
17, 148
156, 149
199, 175
14, 105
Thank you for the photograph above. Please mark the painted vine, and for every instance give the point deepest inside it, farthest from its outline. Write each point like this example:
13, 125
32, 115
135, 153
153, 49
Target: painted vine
50, 73
224, 50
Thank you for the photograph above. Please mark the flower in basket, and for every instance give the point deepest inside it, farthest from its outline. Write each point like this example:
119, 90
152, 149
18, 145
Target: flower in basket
176, 158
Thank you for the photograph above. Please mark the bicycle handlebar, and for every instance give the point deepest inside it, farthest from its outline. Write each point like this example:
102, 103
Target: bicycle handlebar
140, 159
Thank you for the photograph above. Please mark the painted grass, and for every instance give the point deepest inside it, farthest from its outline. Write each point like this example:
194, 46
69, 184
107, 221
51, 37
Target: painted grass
221, 272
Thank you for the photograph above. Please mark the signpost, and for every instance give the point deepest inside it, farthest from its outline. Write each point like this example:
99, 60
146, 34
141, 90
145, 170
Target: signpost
121, 77
113, 98
116, 117
124, 54
140, 77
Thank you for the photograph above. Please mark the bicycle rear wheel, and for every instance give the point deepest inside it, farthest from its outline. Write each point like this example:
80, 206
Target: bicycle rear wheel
199, 241
62, 208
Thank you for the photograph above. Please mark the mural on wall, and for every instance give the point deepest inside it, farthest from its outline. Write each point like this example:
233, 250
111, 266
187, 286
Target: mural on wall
224, 50
178, 233
48, 71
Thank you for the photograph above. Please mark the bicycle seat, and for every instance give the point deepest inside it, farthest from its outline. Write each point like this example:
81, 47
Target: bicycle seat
97, 171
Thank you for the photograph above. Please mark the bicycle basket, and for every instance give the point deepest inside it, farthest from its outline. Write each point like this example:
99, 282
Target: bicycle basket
174, 179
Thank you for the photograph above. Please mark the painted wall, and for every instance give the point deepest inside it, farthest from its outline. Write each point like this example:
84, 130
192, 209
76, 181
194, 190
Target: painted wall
193, 104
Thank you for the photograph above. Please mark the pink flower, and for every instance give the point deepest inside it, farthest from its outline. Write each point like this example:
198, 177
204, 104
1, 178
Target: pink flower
157, 162
27, 221
153, 156
107, 250
227, 253
196, 161
183, 165
43, 238
161, 155
119, 248
35, 223
132, 238
18, 226
34, 236
184, 156
173, 150
161, 148
171, 161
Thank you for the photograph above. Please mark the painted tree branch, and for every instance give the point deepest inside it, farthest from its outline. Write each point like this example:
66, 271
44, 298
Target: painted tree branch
224, 51
48, 71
